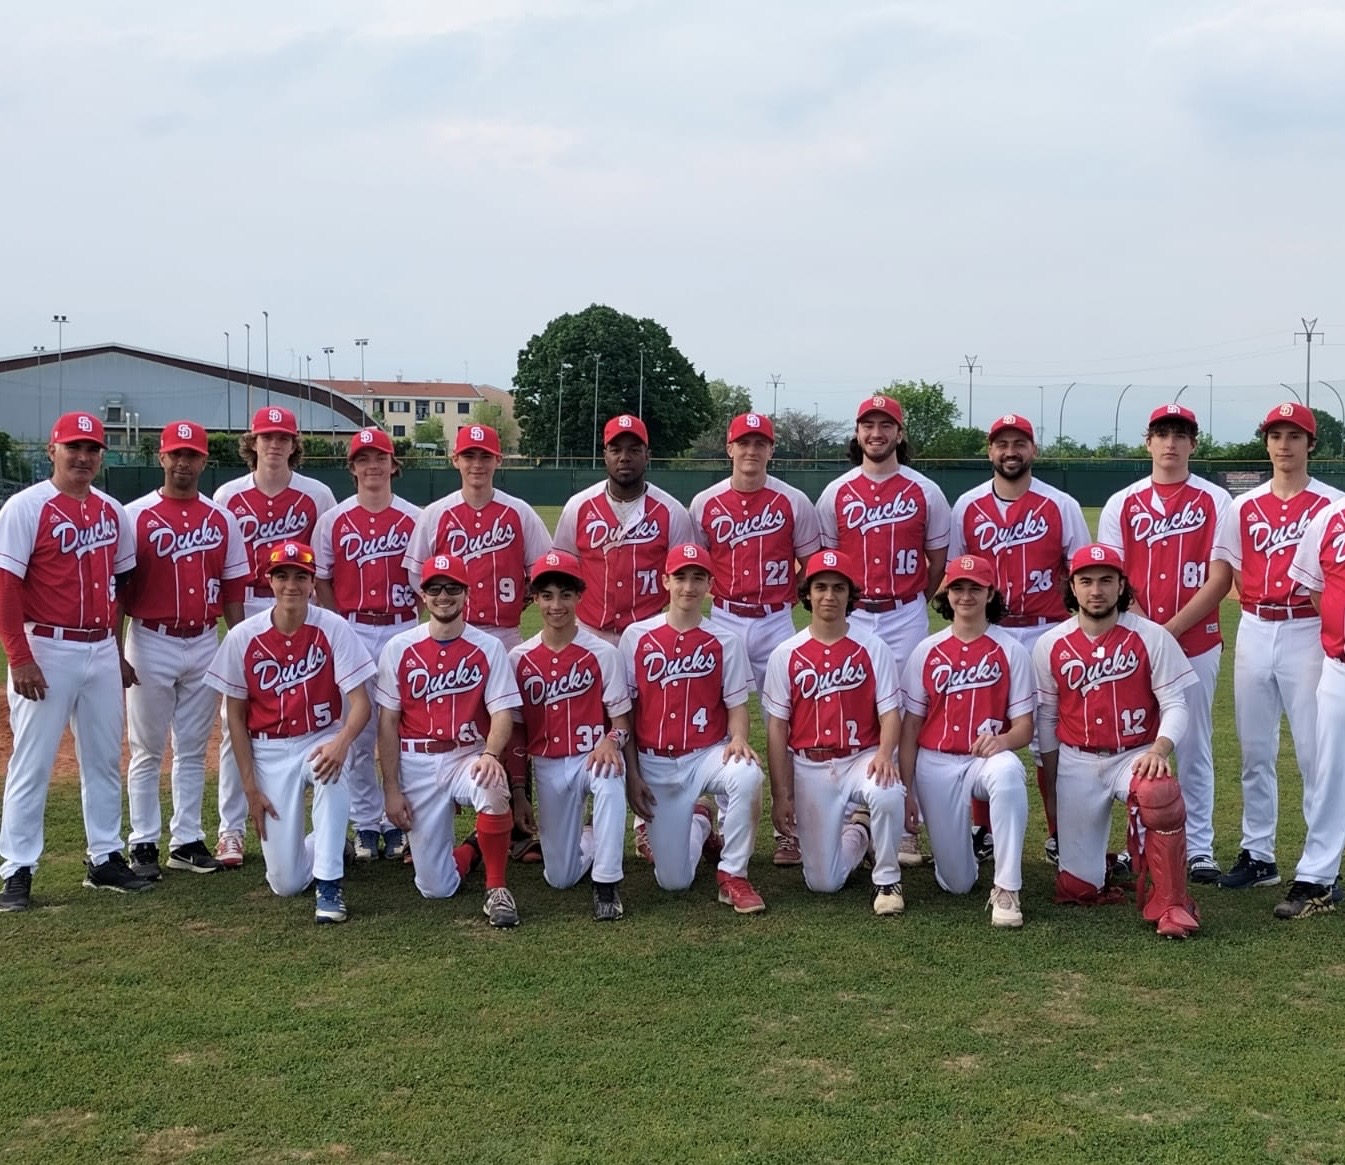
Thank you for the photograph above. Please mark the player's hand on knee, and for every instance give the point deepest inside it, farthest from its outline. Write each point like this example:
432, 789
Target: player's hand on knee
327, 761
488, 772
397, 808
987, 744
1149, 766
605, 760
883, 771
128, 676
29, 681
738, 749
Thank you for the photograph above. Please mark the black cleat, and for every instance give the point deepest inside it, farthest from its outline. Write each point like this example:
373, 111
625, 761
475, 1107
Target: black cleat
114, 874
18, 892
193, 857
1249, 871
145, 861
1305, 899
606, 902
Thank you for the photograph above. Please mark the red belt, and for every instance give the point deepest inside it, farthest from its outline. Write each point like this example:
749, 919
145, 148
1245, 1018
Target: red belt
431, 745
670, 751
1278, 614
70, 634
750, 610
825, 753
1106, 751
1025, 621
172, 630
879, 606
374, 619
260, 590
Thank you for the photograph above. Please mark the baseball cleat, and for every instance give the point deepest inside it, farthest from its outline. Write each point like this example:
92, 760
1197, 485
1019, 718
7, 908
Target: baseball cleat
114, 874
642, 846
787, 851
1121, 868
888, 901
1204, 869
983, 844
394, 844
194, 858
229, 849
1004, 908
145, 861
500, 908
330, 905
738, 893
366, 845
1305, 899
607, 902
714, 841
1249, 871
1053, 851
908, 852
18, 892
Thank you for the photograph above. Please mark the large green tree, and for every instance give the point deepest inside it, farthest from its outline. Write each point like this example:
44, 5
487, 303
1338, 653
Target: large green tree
930, 415
488, 412
726, 402
799, 434
602, 348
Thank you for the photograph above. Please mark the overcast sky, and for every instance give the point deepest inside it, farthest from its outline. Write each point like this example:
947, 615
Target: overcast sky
840, 193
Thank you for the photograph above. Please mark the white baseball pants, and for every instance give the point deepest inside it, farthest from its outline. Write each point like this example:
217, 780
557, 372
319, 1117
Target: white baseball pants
760, 636
1195, 754
233, 802
944, 785
1086, 785
825, 792
366, 794
901, 629
1325, 842
569, 847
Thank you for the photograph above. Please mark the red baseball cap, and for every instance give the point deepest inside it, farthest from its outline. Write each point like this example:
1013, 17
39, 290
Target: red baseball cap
688, 554
1012, 421
750, 425
887, 405
183, 435
624, 424
271, 419
1291, 413
477, 437
72, 427
298, 554
825, 560
970, 567
448, 566
1096, 554
1173, 413
372, 438
556, 562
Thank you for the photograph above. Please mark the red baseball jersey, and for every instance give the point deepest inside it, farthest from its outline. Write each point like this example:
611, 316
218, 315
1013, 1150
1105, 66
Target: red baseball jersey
293, 683
622, 553
184, 550
682, 683
1029, 539
292, 514
68, 552
445, 689
1319, 565
361, 553
965, 690
831, 694
887, 524
1259, 536
1165, 534
497, 542
569, 696
1107, 693
754, 540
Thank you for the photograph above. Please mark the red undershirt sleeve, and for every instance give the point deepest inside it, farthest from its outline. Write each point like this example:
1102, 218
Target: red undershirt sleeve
11, 620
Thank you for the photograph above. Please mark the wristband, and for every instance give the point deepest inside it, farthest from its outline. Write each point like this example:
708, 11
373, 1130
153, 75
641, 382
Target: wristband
619, 736
495, 756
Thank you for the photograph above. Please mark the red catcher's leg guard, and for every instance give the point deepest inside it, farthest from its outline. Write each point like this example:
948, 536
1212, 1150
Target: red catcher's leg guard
980, 813
1160, 863
1072, 891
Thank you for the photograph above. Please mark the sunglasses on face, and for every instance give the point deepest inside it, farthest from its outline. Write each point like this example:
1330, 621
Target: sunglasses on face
451, 589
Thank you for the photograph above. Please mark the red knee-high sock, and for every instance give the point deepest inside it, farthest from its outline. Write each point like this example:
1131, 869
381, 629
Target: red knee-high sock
1041, 786
464, 857
980, 813
492, 835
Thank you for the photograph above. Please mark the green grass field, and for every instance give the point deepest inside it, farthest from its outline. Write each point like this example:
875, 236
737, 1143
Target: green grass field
209, 1021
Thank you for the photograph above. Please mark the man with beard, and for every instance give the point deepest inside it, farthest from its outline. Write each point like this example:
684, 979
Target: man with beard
1027, 530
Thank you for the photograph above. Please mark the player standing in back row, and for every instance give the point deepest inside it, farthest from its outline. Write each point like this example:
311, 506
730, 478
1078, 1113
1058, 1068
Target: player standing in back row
1164, 528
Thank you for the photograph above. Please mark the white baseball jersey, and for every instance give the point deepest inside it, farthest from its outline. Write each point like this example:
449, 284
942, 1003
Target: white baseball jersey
966, 690
68, 552
832, 694
683, 683
264, 521
361, 553
622, 555
1319, 565
185, 549
1030, 540
445, 689
1260, 535
497, 543
294, 683
886, 524
1107, 691
1165, 535
754, 540
569, 696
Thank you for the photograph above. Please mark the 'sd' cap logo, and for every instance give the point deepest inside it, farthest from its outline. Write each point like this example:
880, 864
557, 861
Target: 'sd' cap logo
273, 416
624, 422
184, 431
552, 560
828, 559
1097, 554
85, 424
968, 563
753, 421
441, 562
1286, 410
478, 433
366, 437
1173, 410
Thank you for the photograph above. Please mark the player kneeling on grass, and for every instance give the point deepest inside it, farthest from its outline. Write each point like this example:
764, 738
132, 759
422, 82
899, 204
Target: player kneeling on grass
689, 681
833, 718
293, 681
576, 719
1111, 708
446, 695
970, 692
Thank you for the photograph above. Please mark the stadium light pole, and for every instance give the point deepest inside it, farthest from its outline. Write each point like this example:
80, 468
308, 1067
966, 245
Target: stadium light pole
60, 322
228, 387
639, 411
596, 357
1176, 399
1294, 391
39, 349
327, 351
1210, 377
1060, 423
362, 344
560, 397
266, 324
248, 329
1116, 424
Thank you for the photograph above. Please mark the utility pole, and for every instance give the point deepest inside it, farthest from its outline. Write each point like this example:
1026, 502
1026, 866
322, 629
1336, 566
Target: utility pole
639, 412
971, 367
39, 349
1210, 424
597, 371
309, 367
248, 379
60, 322
362, 344
266, 323
775, 396
331, 393
228, 387
1310, 332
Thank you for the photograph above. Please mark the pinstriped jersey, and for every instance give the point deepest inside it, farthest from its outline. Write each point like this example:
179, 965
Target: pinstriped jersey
569, 695
361, 553
264, 521
1319, 565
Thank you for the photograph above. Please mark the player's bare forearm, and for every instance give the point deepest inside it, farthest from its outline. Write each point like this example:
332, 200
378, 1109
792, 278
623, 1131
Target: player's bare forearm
488, 769
1204, 601
326, 596
1018, 735
889, 735
390, 748
1316, 597
909, 746
128, 676
739, 726
609, 758
938, 563
233, 613
638, 794
780, 761
1050, 765
236, 714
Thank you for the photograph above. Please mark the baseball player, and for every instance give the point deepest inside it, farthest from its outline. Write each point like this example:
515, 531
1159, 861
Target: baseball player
1028, 531
360, 547
1164, 528
272, 504
446, 695
576, 714
833, 718
688, 680
970, 693
1111, 709
1277, 661
292, 677
757, 529
191, 567
1319, 567
65, 548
